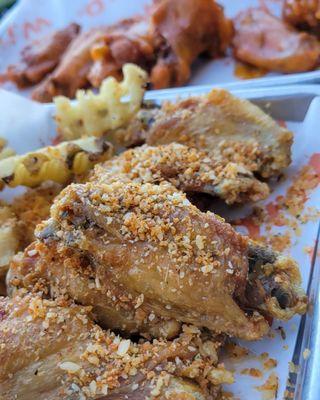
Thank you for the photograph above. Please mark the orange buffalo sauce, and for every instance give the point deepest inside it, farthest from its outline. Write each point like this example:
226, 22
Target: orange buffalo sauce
247, 71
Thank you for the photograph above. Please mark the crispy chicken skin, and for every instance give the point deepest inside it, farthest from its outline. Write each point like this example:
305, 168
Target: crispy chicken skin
263, 40
145, 258
38, 60
60, 353
187, 169
303, 14
225, 127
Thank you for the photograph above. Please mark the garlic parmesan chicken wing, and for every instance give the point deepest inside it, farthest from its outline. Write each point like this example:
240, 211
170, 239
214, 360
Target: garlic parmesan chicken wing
303, 14
263, 40
225, 127
38, 60
51, 349
187, 169
147, 260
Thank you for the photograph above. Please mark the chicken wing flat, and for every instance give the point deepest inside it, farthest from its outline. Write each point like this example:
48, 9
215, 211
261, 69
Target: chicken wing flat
146, 259
59, 353
303, 14
223, 126
41, 59
187, 169
71, 73
263, 40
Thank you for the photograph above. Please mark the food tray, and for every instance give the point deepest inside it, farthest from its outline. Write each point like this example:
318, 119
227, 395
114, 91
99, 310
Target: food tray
300, 107
30, 20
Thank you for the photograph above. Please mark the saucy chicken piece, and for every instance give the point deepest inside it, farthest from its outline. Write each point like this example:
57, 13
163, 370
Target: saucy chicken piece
38, 60
265, 41
146, 259
59, 353
303, 14
166, 42
128, 41
187, 169
184, 30
71, 73
223, 126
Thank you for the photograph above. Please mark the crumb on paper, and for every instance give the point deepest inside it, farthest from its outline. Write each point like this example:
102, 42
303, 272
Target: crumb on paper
227, 396
293, 368
271, 334
280, 241
236, 351
282, 332
270, 387
286, 211
288, 395
306, 353
310, 250
263, 356
254, 372
270, 363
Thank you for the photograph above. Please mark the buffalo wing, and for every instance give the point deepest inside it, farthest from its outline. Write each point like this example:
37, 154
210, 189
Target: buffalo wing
265, 41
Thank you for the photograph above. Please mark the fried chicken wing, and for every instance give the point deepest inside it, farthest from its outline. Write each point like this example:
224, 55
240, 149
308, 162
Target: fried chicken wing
145, 258
71, 73
303, 14
187, 169
128, 41
263, 40
165, 41
41, 59
223, 126
183, 30
60, 353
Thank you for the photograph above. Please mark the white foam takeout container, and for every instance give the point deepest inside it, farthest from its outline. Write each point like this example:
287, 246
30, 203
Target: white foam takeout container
28, 125
31, 20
